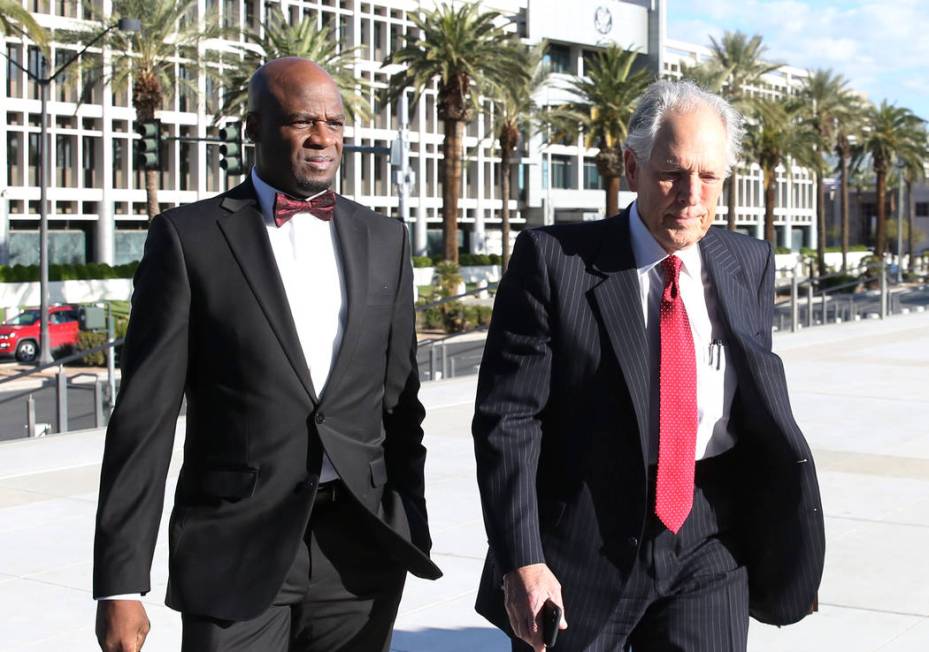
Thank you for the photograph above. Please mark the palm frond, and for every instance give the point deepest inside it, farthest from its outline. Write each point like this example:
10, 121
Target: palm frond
281, 38
16, 20
464, 50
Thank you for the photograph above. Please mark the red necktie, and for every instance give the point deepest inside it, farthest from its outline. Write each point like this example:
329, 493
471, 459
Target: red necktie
285, 207
677, 433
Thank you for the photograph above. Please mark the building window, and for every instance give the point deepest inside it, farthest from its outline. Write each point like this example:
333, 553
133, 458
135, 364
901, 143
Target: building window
592, 178
89, 155
14, 148
558, 58
922, 209
561, 172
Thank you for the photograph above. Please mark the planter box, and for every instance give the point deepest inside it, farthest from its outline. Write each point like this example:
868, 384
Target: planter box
478, 273
423, 275
14, 295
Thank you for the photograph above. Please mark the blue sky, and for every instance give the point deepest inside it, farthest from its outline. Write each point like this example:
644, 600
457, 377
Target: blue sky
881, 46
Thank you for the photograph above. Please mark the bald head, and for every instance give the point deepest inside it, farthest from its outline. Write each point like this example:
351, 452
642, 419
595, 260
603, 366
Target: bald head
295, 118
282, 76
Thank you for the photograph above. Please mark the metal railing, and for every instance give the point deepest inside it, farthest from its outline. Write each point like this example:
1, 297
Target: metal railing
104, 392
440, 363
842, 310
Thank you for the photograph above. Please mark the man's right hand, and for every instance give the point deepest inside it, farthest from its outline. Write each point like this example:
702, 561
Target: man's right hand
122, 625
526, 589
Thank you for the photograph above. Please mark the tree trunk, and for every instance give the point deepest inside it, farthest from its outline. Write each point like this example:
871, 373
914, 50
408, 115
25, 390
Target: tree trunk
505, 212
612, 195
910, 227
151, 192
820, 223
733, 191
844, 199
881, 245
770, 198
451, 188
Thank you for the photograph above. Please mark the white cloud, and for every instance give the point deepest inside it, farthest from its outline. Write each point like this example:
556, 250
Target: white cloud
881, 47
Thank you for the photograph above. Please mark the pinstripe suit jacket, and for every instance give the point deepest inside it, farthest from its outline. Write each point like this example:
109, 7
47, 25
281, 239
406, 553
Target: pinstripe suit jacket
561, 425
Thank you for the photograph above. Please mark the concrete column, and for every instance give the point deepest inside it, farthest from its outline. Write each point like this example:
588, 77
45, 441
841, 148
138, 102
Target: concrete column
813, 231
201, 172
478, 239
106, 225
787, 239
4, 181
422, 163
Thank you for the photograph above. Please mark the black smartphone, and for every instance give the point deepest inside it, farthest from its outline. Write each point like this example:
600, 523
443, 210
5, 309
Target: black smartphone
551, 619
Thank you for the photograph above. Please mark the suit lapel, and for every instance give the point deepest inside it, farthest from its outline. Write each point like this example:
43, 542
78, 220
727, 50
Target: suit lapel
729, 280
352, 236
244, 229
619, 300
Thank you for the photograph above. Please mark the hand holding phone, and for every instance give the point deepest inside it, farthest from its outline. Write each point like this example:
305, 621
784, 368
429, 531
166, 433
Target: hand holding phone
551, 620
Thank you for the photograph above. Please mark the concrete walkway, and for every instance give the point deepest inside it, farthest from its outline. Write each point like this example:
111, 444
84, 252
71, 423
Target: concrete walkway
860, 391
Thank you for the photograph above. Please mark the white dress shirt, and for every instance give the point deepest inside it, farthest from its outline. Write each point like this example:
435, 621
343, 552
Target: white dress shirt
716, 381
306, 251
307, 255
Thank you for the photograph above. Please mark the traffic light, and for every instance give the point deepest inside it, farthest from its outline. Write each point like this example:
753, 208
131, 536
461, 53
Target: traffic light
231, 149
149, 150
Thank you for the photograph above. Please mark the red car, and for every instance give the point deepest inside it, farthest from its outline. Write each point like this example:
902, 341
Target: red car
19, 336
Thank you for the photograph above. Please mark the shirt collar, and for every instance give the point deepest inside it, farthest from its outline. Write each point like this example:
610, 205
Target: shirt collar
266, 194
648, 252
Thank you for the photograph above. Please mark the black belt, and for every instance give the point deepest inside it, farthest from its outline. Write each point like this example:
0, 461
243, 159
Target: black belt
330, 493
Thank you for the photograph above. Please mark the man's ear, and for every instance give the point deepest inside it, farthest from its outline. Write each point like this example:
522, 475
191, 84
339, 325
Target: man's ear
251, 127
632, 169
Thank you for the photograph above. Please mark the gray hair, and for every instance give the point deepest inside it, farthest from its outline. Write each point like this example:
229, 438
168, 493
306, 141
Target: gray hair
665, 96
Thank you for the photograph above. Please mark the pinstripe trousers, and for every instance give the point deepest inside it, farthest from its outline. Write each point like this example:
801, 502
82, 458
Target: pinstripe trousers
686, 592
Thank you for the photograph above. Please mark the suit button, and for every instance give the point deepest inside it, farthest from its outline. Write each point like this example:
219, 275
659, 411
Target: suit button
305, 485
320, 417
632, 542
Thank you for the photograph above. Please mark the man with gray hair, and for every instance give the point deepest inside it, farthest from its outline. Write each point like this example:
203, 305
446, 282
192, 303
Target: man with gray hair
638, 461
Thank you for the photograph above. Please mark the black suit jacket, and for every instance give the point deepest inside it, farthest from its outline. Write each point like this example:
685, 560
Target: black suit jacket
561, 425
210, 320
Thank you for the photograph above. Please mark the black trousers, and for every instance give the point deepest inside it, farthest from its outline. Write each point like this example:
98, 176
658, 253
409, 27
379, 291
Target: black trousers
686, 592
341, 595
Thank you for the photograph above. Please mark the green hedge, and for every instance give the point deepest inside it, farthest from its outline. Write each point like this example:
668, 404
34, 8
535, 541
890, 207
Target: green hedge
30, 273
455, 317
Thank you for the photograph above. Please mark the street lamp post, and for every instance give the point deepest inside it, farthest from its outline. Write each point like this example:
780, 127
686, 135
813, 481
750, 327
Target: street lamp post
124, 25
900, 169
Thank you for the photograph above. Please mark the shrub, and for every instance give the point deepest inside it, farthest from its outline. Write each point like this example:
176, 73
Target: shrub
827, 283
782, 250
67, 272
448, 278
422, 261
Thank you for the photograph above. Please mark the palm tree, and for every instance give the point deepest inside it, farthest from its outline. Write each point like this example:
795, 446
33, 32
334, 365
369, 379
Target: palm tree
606, 97
848, 131
14, 19
740, 55
775, 136
827, 98
707, 75
146, 59
468, 54
280, 38
891, 131
516, 113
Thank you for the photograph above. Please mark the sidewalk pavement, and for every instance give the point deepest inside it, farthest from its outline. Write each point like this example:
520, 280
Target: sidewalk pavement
859, 392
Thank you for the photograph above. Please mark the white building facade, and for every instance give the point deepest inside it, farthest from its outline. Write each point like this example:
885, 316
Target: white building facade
96, 192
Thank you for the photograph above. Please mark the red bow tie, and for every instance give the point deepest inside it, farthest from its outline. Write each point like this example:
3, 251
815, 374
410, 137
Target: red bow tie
321, 206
